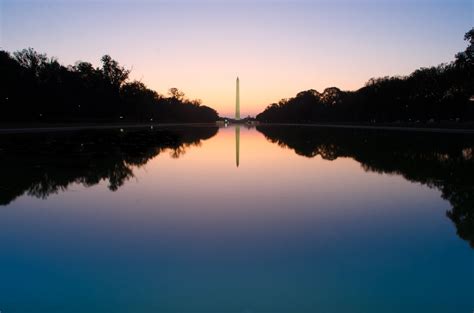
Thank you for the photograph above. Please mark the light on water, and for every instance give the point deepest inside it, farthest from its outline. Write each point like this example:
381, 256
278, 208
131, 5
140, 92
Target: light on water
236, 219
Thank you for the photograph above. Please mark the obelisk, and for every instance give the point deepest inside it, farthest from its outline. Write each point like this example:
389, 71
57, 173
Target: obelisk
237, 100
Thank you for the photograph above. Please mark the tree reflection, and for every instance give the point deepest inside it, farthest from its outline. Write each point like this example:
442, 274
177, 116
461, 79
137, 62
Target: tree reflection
442, 161
44, 164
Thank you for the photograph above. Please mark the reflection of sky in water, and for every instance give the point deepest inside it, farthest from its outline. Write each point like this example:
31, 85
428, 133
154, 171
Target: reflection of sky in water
280, 233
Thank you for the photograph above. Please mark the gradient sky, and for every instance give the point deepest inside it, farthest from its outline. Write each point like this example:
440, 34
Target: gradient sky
277, 48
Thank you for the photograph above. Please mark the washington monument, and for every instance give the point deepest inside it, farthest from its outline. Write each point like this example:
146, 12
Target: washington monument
237, 100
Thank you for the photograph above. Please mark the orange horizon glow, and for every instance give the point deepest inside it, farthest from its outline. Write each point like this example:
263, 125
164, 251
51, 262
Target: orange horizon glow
277, 48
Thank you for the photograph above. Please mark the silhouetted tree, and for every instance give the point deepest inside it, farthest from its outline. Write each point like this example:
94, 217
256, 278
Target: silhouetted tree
176, 93
35, 88
427, 95
466, 58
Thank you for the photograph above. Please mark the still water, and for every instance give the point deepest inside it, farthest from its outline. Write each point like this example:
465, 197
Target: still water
206, 219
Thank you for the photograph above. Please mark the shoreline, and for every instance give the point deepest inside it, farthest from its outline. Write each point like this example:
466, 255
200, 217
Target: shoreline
45, 128
380, 127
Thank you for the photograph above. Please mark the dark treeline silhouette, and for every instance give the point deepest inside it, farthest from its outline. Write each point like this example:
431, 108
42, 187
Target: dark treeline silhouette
35, 88
428, 95
41, 164
441, 161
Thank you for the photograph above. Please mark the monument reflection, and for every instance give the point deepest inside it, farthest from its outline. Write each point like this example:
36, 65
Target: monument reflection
44, 164
145, 219
237, 145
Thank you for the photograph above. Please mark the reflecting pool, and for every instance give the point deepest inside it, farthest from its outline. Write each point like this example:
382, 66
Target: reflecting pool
237, 219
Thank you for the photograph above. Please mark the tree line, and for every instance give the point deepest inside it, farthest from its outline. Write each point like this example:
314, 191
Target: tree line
37, 88
439, 93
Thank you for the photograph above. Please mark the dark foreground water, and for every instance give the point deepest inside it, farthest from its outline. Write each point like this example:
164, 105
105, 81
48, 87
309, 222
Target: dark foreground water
273, 219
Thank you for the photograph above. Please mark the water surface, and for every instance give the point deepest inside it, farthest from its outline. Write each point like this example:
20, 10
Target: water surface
266, 219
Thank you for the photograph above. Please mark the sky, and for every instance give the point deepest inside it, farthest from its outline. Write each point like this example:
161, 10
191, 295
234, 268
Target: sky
277, 48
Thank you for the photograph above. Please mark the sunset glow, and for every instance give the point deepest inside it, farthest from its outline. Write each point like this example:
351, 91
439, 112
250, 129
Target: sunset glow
277, 48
